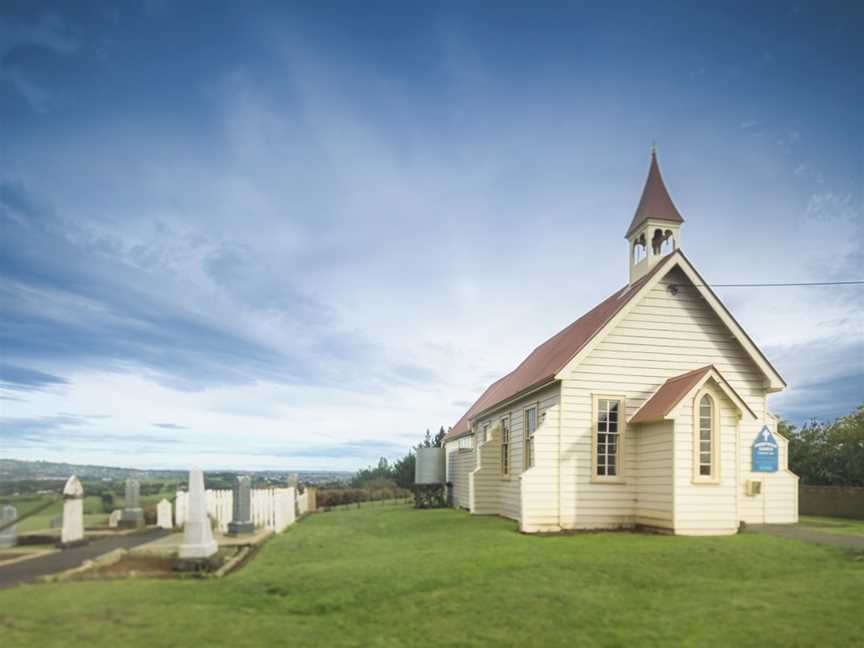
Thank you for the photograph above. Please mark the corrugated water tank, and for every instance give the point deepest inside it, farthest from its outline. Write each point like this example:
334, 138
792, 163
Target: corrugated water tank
429, 467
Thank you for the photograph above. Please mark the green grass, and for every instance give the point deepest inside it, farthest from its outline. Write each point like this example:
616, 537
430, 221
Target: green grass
93, 514
395, 576
833, 525
42, 520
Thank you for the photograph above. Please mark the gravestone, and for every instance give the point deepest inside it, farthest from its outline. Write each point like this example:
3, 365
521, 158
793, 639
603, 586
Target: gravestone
163, 515
8, 536
198, 544
73, 513
114, 518
133, 514
241, 518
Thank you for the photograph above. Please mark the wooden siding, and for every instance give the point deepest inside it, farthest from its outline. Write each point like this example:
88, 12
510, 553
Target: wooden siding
706, 508
654, 473
778, 502
503, 493
483, 480
661, 336
539, 486
460, 463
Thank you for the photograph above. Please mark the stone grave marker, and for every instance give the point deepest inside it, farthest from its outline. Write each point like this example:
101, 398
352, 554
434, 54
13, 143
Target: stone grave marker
8, 536
133, 514
114, 518
198, 544
241, 518
73, 513
163, 515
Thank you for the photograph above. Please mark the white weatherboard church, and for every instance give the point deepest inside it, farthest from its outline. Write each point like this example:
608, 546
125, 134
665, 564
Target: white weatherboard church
649, 410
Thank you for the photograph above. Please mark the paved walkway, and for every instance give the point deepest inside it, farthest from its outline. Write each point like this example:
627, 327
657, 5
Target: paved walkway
810, 534
27, 571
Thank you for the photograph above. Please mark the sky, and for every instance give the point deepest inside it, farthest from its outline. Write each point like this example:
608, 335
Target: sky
297, 235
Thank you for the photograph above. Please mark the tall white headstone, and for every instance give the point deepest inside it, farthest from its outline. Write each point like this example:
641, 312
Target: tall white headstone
163, 515
198, 540
73, 512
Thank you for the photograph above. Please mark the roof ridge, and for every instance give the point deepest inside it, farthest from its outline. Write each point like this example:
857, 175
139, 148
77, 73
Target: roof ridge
548, 358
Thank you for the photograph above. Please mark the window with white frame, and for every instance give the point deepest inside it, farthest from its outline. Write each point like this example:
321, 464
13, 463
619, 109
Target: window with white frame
484, 433
706, 451
465, 443
530, 429
608, 428
505, 446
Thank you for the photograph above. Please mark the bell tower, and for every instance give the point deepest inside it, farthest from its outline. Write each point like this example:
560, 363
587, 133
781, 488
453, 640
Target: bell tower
655, 230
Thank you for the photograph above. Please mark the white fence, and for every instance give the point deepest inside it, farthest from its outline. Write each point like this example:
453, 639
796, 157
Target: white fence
303, 503
272, 508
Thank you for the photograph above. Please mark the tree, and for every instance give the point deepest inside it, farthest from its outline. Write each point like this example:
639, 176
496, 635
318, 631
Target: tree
433, 442
828, 454
439, 438
378, 477
403, 470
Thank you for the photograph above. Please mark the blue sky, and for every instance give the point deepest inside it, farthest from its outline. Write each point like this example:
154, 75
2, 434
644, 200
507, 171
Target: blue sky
276, 236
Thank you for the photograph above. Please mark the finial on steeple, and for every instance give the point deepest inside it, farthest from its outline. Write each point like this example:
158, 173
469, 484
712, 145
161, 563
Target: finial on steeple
653, 148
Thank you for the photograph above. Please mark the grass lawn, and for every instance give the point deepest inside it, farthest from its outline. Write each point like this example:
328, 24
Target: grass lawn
42, 520
395, 576
832, 525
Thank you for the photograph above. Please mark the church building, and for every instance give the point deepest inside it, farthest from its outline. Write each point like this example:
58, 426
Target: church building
648, 411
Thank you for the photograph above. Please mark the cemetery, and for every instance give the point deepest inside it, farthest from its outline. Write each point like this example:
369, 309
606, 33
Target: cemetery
199, 532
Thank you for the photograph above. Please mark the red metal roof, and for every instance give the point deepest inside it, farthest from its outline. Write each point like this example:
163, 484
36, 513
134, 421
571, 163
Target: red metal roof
673, 390
655, 202
669, 394
549, 358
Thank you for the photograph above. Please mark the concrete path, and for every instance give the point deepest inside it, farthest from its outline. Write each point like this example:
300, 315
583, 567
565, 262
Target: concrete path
809, 534
27, 571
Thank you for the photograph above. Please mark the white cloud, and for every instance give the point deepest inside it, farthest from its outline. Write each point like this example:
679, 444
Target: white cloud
405, 264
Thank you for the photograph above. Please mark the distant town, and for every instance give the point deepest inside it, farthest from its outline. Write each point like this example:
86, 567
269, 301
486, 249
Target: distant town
15, 470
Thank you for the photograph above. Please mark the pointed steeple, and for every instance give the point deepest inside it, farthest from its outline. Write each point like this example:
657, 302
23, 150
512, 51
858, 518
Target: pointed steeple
655, 230
655, 203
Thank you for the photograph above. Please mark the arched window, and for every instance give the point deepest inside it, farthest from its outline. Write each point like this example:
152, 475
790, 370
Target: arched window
668, 244
657, 241
706, 437
639, 251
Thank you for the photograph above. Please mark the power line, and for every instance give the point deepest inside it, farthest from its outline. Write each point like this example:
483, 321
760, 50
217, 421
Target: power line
784, 285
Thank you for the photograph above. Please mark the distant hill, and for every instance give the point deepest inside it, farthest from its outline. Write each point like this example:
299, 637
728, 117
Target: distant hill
16, 469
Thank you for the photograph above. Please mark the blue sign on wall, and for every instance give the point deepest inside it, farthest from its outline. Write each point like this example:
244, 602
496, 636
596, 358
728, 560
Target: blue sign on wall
766, 452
